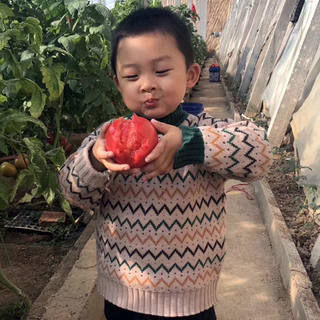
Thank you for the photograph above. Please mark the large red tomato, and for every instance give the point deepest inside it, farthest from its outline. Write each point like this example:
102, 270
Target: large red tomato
131, 140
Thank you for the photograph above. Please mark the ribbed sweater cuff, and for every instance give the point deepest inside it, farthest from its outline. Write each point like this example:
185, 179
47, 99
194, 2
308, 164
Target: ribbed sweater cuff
192, 149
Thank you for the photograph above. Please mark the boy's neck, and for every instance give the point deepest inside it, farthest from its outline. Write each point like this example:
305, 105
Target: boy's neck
175, 118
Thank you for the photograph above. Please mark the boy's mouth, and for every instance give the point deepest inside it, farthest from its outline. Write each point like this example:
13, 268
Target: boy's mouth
150, 103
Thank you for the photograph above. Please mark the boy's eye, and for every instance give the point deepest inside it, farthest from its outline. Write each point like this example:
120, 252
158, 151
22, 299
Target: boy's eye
131, 77
163, 72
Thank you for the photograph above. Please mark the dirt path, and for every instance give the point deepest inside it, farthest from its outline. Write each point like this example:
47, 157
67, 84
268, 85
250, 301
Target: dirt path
250, 286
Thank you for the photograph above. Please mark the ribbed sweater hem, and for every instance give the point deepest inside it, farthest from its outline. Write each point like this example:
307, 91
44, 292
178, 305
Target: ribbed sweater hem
176, 304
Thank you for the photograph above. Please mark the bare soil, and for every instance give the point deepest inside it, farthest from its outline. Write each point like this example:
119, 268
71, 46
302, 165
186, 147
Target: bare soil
301, 223
29, 259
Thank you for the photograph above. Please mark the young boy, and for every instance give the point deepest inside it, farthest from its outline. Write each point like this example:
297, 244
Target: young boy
161, 229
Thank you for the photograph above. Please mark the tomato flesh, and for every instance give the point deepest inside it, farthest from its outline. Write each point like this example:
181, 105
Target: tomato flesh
131, 140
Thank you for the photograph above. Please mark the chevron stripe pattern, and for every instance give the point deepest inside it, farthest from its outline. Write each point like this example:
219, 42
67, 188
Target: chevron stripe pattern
237, 150
165, 238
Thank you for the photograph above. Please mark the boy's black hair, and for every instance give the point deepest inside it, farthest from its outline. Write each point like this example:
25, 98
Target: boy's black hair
149, 20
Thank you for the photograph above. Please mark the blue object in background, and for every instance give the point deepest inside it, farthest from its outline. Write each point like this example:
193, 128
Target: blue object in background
214, 73
192, 107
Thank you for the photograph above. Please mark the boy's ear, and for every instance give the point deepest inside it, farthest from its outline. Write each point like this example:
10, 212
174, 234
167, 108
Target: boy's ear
193, 75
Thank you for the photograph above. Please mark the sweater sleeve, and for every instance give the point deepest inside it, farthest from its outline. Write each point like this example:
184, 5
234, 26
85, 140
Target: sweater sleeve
81, 184
238, 150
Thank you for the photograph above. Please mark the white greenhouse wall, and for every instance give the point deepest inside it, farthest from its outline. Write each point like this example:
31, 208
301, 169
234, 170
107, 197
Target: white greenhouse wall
275, 63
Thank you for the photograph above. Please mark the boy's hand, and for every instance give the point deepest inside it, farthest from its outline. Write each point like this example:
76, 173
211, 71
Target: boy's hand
103, 156
160, 159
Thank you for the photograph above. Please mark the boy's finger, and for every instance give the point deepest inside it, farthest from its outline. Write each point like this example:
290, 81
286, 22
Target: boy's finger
156, 152
115, 166
161, 126
106, 154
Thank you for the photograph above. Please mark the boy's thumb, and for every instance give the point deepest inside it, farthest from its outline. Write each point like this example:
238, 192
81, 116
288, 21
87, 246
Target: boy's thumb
160, 126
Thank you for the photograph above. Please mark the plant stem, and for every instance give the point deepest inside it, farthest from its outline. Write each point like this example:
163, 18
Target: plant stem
58, 119
16, 290
7, 158
5, 249
10, 139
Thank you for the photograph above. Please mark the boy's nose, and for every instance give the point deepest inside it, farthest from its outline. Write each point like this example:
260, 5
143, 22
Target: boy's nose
148, 89
147, 85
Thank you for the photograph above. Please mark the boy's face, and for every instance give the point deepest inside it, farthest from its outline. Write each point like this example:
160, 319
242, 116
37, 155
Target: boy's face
152, 75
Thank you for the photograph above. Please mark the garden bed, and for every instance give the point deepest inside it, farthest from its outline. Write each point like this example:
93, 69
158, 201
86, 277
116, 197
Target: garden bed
300, 222
29, 259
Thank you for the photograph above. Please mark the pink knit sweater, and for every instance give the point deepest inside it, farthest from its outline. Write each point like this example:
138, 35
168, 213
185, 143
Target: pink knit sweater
160, 243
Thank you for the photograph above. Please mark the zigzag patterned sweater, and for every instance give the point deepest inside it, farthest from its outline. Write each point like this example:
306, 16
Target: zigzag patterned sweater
160, 243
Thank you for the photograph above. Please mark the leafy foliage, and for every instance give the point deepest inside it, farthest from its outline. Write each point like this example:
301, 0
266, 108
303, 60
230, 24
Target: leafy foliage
54, 76
58, 58
123, 8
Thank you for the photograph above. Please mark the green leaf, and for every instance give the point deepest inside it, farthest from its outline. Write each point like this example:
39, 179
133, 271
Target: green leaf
4, 39
5, 191
51, 78
14, 64
38, 163
69, 42
23, 178
3, 147
99, 29
103, 10
104, 57
5, 11
66, 207
52, 48
26, 55
3, 99
75, 5
12, 117
38, 101
27, 198
57, 156
33, 25
13, 86
38, 98
49, 195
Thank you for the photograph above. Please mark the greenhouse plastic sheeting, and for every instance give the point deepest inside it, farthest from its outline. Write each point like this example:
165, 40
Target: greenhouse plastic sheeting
234, 32
281, 75
306, 131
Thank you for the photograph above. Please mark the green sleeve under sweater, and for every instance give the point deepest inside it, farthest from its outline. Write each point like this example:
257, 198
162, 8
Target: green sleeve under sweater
192, 149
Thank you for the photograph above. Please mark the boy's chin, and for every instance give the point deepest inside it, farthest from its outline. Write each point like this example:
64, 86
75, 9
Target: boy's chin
156, 113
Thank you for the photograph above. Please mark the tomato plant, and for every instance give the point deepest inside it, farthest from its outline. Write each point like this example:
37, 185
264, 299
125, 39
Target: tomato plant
123, 8
131, 140
54, 77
